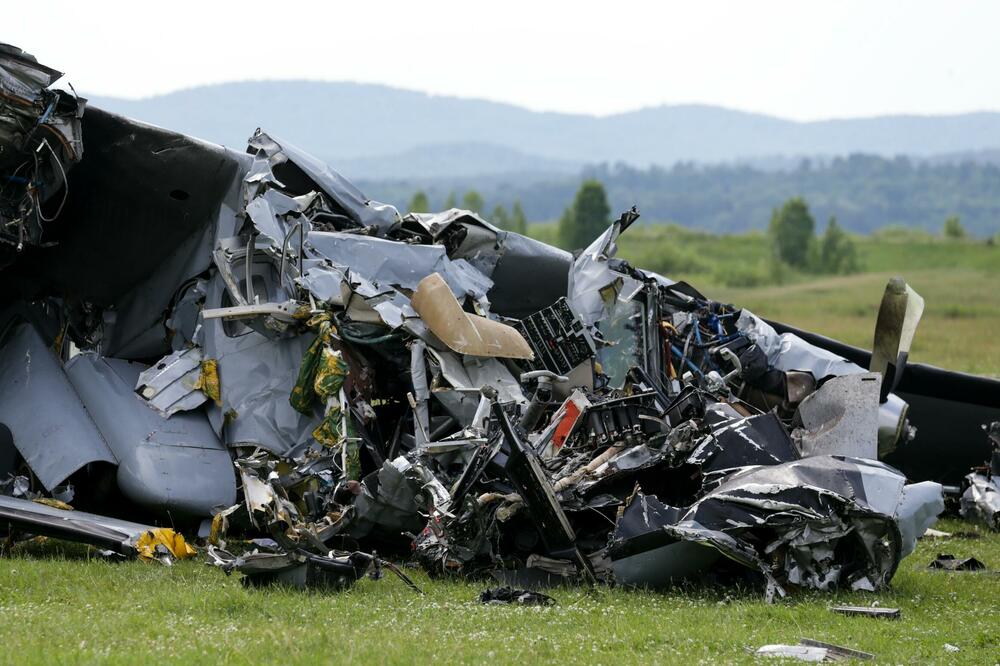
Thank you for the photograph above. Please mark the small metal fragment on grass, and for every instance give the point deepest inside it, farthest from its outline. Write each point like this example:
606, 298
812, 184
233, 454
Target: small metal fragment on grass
868, 611
506, 595
810, 650
949, 562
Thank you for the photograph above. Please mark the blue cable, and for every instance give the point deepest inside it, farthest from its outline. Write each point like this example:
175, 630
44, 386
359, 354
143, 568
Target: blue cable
681, 356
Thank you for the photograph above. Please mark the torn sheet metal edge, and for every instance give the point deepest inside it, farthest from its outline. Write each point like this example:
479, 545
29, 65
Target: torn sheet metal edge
788, 352
591, 276
842, 417
391, 264
981, 500
172, 385
121, 536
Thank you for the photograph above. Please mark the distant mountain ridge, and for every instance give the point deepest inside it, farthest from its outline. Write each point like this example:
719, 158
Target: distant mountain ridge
384, 132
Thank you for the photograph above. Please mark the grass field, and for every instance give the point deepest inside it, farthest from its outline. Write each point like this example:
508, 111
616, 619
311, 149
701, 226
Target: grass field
58, 607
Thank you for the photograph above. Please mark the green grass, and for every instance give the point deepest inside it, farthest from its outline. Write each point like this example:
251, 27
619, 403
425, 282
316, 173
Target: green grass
958, 329
57, 606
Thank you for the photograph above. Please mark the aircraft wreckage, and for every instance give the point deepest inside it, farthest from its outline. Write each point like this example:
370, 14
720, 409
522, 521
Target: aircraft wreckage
243, 344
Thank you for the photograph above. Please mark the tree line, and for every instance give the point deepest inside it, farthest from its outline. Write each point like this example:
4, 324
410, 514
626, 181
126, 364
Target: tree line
862, 192
792, 231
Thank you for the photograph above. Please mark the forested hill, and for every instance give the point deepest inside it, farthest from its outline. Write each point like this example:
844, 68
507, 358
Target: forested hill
864, 192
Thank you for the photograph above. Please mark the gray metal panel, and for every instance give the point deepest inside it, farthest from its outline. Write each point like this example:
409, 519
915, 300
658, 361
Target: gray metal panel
257, 375
73, 525
50, 426
841, 417
391, 263
338, 188
173, 465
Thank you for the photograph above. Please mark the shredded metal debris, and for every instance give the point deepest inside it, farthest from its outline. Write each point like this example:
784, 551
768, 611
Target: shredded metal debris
244, 345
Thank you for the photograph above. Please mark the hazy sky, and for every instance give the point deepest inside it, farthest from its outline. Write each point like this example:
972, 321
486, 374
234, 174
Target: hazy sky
802, 59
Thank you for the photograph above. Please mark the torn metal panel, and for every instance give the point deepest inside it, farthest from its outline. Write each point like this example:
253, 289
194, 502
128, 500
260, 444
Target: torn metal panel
644, 555
119, 536
788, 352
742, 441
49, 424
326, 284
257, 375
491, 372
467, 375
393, 499
842, 417
362, 210
810, 650
393, 264
981, 500
173, 384
868, 611
951, 563
594, 287
809, 509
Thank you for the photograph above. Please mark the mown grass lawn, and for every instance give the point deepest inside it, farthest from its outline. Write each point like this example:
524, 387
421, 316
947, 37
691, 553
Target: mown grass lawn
57, 606
60, 606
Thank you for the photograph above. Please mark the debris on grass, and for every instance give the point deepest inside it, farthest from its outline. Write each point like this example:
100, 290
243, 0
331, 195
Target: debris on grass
868, 611
271, 353
951, 563
506, 595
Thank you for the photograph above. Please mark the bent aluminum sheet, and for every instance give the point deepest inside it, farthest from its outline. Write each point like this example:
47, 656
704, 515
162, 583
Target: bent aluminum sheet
809, 505
48, 422
174, 466
171, 385
842, 417
789, 352
119, 536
